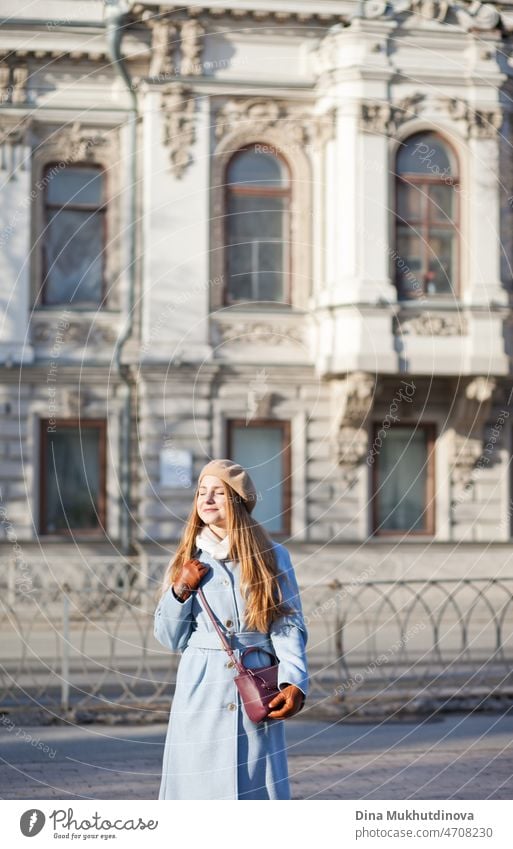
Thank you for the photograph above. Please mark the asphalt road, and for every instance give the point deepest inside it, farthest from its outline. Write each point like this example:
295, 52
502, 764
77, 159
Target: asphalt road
457, 757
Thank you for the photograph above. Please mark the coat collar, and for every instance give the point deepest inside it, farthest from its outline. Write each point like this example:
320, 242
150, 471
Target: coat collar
207, 541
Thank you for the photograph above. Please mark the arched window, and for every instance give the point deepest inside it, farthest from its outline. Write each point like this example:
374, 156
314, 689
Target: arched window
257, 236
74, 234
426, 257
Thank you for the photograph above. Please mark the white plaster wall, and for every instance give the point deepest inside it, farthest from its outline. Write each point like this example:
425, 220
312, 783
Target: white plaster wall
175, 222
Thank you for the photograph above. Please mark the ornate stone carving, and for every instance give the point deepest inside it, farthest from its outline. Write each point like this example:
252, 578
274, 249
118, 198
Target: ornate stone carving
167, 39
374, 8
163, 48
14, 130
480, 123
79, 402
191, 33
471, 412
352, 400
456, 109
386, 118
410, 105
74, 401
78, 143
431, 324
434, 10
476, 15
5, 78
13, 82
259, 408
484, 124
259, 398
19, 83
376, 118
14, 133
77, 333
321, 128
260, 332
259, 115
470, 14
179, 133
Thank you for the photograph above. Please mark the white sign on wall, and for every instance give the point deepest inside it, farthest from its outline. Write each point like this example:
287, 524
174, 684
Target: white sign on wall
175, 467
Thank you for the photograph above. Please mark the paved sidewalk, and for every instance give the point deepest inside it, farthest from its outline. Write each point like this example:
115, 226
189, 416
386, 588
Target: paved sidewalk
459, 757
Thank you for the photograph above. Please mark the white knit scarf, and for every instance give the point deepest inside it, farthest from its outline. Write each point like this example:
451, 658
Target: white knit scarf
209, 542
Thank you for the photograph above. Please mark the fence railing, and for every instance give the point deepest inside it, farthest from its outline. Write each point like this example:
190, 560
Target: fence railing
92, 647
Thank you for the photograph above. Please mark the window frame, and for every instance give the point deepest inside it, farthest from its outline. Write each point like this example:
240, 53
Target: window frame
429, 494
285, 426
101, 511
286, 193
413, 179
101, 209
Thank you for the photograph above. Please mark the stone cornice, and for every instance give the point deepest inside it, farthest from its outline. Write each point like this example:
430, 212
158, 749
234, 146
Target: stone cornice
469, 15
324, 11
147, 18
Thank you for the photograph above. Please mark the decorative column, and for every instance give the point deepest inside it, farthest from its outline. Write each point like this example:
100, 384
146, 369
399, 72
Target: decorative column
353, 330
484, 283
354, 74
15, 210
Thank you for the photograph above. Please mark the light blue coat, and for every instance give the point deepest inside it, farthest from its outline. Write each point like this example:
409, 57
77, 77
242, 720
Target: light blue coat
213, 750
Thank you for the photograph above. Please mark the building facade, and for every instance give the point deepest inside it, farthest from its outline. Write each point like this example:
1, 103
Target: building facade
280, 232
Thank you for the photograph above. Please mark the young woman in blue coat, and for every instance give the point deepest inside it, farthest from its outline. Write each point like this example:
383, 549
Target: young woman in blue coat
213, 750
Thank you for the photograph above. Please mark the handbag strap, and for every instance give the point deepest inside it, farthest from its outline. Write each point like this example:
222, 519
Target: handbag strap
199, 591
240, 666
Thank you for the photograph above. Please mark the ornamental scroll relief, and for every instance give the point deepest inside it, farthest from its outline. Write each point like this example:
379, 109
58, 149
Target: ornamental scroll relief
430, 324
176, 48
386, 118
469, 14
178, 130
352, 400
44, 333
471, 412
257, 115
259, 332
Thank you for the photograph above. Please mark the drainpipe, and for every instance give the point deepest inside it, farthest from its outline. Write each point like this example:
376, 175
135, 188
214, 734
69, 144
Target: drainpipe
117, 17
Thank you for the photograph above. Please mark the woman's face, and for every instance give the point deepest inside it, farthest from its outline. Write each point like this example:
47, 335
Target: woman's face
211, 501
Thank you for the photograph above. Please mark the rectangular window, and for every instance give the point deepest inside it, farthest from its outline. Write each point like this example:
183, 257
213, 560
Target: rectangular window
74, 235
72, 476
403, 480
256, 254
262, 447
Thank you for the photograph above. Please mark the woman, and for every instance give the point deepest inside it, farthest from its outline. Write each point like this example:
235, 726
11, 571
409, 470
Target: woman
213, 750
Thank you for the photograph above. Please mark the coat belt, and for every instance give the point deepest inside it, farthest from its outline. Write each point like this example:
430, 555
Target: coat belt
241, 640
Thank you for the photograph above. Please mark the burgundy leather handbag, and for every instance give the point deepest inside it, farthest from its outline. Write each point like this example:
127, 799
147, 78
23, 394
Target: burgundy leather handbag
257, 687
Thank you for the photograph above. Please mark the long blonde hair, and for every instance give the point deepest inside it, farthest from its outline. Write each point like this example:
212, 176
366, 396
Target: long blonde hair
252, 547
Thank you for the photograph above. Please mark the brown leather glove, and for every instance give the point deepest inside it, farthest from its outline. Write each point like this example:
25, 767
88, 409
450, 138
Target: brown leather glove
288, 702
189, 578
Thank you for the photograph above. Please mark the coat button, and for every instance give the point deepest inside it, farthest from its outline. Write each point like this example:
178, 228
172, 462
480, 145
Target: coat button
231, 706
228, 623
230, 664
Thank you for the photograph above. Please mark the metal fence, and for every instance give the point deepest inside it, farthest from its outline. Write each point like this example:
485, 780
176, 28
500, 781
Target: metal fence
91, 648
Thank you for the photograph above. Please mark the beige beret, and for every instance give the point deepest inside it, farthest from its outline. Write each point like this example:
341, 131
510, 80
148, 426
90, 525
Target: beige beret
234, 475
